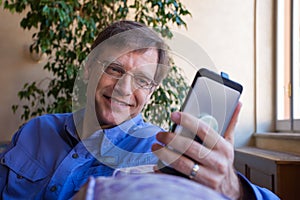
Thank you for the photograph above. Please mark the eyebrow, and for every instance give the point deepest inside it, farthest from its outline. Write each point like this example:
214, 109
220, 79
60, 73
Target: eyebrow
140, 73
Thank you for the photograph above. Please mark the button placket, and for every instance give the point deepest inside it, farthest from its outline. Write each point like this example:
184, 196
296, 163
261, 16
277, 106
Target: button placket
53, 188
75, 155
19, 176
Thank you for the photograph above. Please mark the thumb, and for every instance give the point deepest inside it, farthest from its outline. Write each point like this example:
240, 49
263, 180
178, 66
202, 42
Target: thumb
229, 134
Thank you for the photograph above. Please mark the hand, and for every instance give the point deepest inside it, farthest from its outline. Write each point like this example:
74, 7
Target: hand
214, 157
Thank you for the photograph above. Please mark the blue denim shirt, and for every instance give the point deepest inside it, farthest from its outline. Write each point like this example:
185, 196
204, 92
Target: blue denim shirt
46, 159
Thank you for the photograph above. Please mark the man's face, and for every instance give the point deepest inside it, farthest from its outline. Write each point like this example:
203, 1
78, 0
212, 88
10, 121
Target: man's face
117, 100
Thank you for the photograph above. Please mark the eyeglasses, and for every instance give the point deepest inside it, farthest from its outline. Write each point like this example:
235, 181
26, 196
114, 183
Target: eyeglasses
116, 71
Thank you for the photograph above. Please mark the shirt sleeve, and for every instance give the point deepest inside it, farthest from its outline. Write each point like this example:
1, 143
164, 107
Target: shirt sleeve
3, 169
252, 191
3, 174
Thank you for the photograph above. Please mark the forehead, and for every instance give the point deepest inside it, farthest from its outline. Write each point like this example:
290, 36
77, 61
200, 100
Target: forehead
141, 60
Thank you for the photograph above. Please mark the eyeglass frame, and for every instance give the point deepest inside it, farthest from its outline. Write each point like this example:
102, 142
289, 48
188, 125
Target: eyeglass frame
106, 64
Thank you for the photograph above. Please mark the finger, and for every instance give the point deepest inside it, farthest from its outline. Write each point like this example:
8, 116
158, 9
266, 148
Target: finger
168, 156
229, 134
184, 145
180, 119
175, 141
207, 134
182, 164
208, 177
191, 149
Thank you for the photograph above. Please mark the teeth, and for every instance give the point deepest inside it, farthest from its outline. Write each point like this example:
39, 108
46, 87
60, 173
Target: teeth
119, 102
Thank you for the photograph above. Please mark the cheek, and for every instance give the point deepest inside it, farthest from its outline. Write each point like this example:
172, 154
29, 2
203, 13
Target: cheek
104, 83
142, 97
103, 86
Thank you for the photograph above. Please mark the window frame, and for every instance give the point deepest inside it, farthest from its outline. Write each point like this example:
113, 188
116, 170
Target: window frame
287, 57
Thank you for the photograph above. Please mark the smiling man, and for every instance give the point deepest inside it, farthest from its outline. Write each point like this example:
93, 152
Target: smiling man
52, 156
125, 86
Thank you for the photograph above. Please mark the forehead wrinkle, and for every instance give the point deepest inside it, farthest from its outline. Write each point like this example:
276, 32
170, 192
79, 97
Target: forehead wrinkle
134, 60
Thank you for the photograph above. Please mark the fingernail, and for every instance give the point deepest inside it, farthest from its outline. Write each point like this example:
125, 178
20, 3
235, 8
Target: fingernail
155, 147
175, 116
160, 135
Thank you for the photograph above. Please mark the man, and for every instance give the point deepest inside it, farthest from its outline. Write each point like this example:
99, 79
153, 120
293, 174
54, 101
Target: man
52, 156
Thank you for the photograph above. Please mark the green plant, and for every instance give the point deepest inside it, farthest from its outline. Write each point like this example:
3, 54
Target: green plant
65, 32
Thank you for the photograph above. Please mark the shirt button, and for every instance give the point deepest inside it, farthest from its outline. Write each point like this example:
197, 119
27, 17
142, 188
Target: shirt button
75, 155
2, 161
19, 176
53, 188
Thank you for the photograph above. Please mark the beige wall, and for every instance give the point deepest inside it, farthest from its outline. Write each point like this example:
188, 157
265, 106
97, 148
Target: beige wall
239, 38
235, 34
16, 66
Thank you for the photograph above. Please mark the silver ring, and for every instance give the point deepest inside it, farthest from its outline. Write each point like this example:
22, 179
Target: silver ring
194, 171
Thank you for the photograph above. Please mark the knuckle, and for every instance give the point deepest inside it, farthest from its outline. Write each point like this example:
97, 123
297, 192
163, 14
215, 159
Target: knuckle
200, 153
166, 137
221, 167
214, 182
180, 162
193, 148
203, 131
229, 153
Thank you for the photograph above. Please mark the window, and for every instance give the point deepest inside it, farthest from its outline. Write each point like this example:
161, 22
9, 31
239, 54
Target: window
288, 66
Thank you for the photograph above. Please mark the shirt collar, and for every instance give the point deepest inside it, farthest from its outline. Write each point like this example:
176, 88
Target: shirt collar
117, 133
104, 140
73, 124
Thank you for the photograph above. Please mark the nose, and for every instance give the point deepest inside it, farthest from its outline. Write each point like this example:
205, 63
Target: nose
124, 85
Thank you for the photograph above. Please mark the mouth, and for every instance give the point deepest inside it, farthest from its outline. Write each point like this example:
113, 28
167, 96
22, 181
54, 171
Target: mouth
117, 101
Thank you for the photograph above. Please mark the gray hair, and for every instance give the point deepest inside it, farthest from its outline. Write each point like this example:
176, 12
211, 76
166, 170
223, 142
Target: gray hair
136, 37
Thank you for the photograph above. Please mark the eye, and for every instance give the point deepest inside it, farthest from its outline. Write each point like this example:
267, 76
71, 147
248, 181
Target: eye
114, 70
142, 80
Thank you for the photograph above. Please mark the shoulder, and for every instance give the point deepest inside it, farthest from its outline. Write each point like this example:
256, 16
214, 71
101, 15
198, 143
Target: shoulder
42, 128
52, 121
49, 118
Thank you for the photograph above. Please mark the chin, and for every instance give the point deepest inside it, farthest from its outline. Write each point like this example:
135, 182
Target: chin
106, 122
110, 118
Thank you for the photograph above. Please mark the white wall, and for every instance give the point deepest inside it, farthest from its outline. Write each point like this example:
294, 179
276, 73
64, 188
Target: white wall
224, 29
